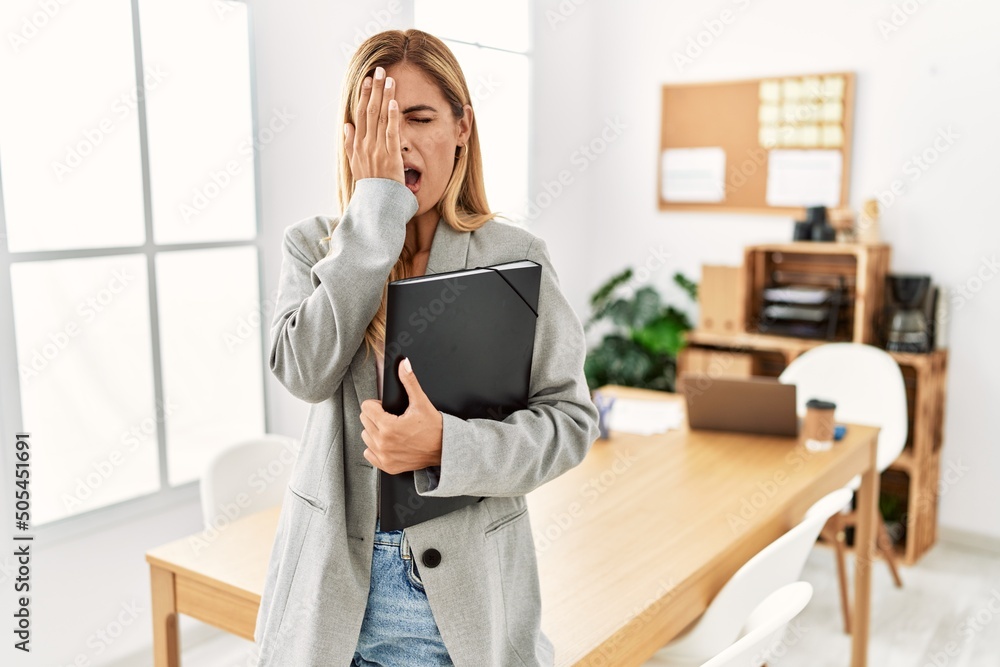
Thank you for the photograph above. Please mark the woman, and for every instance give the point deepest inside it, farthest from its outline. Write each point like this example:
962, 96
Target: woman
338, 590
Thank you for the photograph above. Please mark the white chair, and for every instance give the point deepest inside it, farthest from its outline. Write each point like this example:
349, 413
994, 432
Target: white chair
764, 629
774, 566
867, 386
238, 469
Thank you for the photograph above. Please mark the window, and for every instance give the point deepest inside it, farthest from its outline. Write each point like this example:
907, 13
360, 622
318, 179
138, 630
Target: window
493, 49
129, 271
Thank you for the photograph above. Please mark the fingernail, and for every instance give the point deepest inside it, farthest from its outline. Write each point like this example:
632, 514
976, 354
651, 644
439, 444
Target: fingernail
367, 82
379, 73
345, 129
388, 83
393, 104
406, 366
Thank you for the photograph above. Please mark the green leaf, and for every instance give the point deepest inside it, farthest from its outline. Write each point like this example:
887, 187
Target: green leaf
642, 350
646, 306
594, 372
600, 301
630, 367
621, 312
664, 335
679, 316
617, 360
600, 359
687, 285
604, 291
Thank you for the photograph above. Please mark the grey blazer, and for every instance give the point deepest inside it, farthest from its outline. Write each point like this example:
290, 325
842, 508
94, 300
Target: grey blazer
484, 593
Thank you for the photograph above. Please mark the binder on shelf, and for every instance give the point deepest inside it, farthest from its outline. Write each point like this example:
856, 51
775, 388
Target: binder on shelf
469, 335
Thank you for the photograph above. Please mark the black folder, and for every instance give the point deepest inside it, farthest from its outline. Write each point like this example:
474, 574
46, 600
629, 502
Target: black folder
469, 336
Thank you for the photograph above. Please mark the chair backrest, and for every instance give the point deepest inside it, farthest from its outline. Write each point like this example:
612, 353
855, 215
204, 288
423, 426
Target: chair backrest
259, 468
774, 566
866, 384
765, 627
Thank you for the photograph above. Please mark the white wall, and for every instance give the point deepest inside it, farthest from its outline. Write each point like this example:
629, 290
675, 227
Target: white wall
939, 70
565, 116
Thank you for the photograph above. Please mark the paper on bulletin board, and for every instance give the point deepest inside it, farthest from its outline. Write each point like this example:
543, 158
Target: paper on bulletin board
804, 177
693, 175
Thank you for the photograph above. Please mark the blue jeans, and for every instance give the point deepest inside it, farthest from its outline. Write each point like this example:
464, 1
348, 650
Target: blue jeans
398, 628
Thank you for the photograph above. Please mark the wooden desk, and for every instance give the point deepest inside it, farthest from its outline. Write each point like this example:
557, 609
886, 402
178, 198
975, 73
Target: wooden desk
632, 544
662, 522
216, 577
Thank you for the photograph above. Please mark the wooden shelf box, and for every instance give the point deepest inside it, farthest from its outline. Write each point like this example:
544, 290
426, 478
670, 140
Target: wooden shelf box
913, 477
924, 375
861, 269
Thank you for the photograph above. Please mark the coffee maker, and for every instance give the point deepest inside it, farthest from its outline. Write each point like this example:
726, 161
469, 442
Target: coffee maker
911, 302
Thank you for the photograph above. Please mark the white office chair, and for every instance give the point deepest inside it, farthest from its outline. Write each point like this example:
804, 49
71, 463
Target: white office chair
774, 566
236, 470
867, 387
764, 629
865, 383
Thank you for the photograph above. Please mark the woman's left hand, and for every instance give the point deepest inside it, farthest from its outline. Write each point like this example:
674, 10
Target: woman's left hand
410, 441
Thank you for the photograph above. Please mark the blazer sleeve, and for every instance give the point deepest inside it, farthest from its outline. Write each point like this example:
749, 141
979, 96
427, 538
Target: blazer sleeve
489, 457
323, 307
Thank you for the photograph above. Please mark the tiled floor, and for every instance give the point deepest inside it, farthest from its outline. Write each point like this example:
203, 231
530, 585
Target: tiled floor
946, 615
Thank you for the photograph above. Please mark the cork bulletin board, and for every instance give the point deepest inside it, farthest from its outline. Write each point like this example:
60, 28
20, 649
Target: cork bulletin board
772, 145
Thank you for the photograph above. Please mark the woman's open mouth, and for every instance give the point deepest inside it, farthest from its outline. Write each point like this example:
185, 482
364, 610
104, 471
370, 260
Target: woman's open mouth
412, 179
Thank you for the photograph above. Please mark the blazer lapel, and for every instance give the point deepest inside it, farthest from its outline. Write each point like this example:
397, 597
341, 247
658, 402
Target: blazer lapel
449, 252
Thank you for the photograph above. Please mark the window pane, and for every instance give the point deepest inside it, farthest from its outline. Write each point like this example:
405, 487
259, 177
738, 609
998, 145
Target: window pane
498, 84
72, 174
199, 120
84, 360
500, 24
210, 346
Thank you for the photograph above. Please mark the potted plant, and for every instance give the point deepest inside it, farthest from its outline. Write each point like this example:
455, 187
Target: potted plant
641, 349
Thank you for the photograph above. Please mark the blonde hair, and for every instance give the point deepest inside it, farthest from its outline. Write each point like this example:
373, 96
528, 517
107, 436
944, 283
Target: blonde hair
463, 204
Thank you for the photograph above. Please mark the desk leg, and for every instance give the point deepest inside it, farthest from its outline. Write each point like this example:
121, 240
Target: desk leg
166, 651
864, 558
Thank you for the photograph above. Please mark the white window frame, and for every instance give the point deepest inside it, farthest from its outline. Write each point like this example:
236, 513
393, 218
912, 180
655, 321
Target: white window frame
519, 217
167, 496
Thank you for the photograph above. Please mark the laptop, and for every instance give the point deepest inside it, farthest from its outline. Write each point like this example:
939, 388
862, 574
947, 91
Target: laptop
746, 405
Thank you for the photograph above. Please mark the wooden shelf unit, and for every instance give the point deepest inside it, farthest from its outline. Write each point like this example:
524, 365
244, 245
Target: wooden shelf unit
862, 268
924, 375
913, 477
